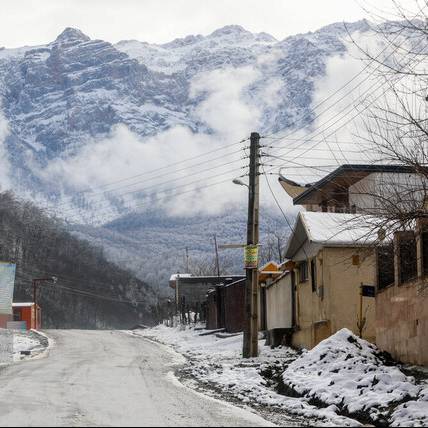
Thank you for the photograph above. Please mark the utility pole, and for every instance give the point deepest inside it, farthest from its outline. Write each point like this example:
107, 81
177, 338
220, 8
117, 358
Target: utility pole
187, 260
35, 283
217, 261
251, 328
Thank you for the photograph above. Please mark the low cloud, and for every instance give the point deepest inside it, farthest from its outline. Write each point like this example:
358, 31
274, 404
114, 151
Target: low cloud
229, 103
228, 118
225, 109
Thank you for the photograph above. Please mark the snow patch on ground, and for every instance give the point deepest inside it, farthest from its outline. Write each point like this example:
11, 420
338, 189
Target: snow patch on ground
352, 374
343, 375
217, 363
413, 413
24, 344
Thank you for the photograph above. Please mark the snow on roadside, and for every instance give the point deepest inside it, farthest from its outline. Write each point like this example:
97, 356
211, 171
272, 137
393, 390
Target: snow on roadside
217, 363
351, 374
413, 413
21, 344
24, 343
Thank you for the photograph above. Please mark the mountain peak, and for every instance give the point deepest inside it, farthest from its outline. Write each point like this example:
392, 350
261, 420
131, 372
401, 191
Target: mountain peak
229, 29
72, 34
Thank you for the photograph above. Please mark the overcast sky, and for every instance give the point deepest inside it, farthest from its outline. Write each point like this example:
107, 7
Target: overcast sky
30, 22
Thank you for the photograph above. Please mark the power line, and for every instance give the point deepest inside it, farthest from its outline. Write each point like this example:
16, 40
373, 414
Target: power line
111, 191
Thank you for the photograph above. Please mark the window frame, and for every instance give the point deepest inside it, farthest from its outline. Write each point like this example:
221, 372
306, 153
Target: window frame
314, 282
303, 271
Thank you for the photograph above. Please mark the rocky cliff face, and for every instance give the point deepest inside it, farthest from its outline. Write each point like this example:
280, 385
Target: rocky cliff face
60, 100
62, 96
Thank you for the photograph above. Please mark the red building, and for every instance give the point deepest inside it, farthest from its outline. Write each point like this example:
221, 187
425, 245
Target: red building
30, 313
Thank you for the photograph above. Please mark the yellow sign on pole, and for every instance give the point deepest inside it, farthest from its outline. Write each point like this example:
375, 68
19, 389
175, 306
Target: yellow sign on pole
251, 256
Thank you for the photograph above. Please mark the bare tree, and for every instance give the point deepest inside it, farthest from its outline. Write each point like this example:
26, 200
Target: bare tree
272, 248
396, 132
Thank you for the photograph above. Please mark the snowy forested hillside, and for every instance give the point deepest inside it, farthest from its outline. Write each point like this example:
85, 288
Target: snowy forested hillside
90, 292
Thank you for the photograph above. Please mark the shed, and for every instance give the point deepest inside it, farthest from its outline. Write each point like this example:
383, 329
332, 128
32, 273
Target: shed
226, 306
30, 313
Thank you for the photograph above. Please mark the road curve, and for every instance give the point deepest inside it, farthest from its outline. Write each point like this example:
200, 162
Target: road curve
103, 378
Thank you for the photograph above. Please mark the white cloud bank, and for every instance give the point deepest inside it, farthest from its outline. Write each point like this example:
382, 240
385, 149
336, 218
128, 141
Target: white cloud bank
225, 107
228, 116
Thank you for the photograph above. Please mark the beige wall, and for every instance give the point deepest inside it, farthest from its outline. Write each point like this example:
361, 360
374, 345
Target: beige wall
386, 184
278, 304
402, 322
335, 304
306, 313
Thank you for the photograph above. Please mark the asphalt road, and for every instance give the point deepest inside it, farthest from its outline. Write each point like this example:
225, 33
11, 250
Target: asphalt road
96, 378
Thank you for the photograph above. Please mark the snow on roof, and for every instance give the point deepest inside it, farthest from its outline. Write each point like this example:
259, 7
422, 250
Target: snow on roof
332, 229
338, 229
180, 275
22, 305
272, 263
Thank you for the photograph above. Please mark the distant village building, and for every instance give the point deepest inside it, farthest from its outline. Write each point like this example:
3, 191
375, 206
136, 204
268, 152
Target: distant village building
7, 285
191, 291
27, 315
226, 302
226, 307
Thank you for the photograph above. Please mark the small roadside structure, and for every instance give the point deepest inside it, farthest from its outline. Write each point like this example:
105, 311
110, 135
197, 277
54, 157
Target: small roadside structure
267, 273
334, 254
402, 296
280, 306
225, 307
29, 314
191, 291
7, 285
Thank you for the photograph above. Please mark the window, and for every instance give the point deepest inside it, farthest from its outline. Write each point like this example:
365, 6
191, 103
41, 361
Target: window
408, 259
303, 271
314, 275
424, 238
385, 266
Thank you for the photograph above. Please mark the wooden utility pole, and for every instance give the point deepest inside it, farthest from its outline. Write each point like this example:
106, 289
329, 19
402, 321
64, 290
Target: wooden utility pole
187, 260
217, 261
251, 328
35, 282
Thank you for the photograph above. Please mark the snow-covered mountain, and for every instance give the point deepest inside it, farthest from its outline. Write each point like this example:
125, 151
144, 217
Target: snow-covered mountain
78, 113
65, 95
